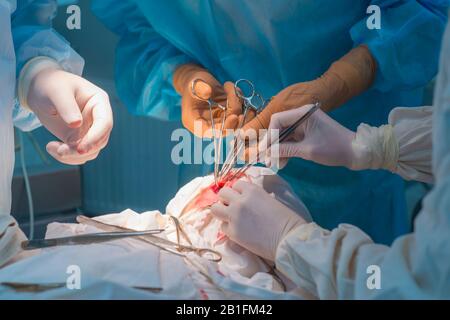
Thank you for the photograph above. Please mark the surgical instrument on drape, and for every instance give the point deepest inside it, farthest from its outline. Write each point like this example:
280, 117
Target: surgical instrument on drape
164, 244
84, 239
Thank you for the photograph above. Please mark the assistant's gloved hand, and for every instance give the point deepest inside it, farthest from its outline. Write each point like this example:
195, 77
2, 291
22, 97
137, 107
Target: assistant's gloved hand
323, 140
320, 139
254, 219
73, 109
194, 109
346, 78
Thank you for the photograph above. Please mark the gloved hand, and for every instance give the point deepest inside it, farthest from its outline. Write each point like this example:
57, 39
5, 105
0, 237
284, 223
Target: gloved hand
346, 78
254, 219
194, 109
320, 139
323, 140
74, 110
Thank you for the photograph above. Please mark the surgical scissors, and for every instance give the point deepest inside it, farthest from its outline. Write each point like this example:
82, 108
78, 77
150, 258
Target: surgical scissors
216, 141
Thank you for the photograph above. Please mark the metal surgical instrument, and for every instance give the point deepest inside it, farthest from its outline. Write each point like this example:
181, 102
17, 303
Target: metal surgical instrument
216, 140
285, 133
85, 239
252, 100
164, 244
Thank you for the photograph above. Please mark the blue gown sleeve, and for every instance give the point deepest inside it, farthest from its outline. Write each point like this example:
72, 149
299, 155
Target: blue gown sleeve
33, 36
407, 45
145, 61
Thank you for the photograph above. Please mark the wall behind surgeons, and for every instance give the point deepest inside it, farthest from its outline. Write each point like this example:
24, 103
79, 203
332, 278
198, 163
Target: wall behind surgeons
134, 170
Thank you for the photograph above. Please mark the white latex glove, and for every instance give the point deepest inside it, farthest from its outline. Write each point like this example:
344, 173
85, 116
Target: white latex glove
73, 109
320, 139
254, 219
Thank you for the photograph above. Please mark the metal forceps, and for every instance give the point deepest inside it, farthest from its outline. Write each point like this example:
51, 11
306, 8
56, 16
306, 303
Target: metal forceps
284, 134
252, 100
216, 140
164, 244
85, 239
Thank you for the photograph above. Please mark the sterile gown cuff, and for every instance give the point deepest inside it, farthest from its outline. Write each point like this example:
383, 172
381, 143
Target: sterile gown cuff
290, 262
24, 119
27, 74
158, 98
413, 130
48, 43
374, 148
402, 147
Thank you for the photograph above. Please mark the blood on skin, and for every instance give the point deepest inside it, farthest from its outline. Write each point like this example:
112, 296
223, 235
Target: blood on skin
220, 237
209, 195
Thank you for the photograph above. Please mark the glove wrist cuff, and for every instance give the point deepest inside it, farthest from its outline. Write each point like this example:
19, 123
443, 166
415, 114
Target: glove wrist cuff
375, 148
27, 75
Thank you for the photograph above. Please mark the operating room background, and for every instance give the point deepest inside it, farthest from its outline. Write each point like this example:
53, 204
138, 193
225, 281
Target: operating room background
135, 169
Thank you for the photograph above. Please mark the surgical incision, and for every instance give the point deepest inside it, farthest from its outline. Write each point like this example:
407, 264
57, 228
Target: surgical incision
209, 195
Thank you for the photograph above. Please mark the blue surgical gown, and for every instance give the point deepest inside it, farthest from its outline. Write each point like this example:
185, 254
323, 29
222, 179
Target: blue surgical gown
25, 33
33, 35
275, 44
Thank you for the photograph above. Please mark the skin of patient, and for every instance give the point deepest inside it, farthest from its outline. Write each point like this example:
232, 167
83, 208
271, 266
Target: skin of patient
209, 195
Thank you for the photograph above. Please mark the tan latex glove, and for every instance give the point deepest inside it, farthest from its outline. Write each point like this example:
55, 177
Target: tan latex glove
194, 109
346, 78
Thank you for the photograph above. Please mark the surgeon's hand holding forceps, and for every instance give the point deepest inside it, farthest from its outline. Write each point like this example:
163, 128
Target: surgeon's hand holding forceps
252, 100
216, 140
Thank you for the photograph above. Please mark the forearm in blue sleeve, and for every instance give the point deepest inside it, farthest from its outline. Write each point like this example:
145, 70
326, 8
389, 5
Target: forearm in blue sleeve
407, 44
33, 36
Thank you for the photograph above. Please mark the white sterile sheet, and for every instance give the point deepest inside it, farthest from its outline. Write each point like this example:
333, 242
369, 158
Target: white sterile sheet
133, 269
